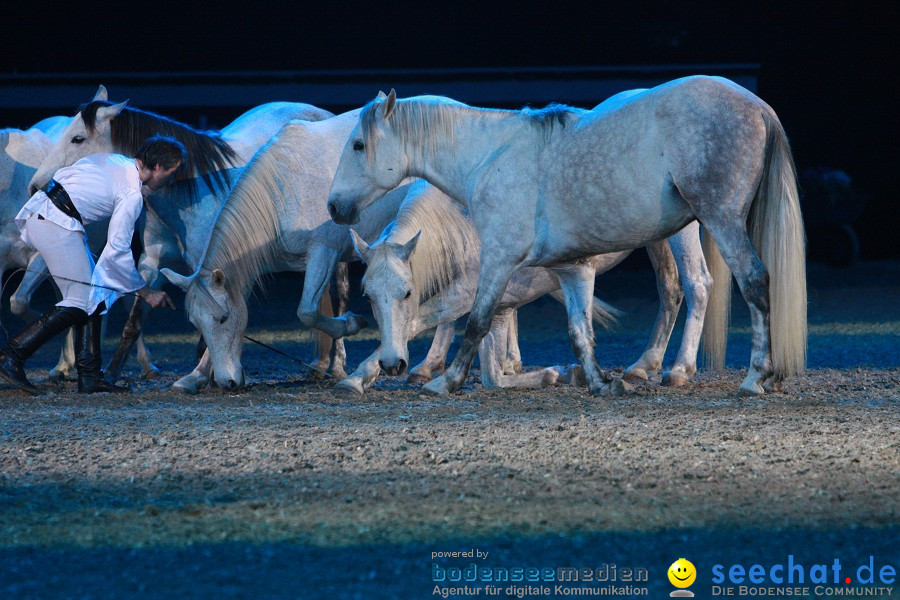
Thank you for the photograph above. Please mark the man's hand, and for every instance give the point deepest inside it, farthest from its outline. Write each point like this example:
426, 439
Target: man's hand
156, 298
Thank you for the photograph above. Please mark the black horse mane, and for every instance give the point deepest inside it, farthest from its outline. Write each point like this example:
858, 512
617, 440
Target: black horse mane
209, 156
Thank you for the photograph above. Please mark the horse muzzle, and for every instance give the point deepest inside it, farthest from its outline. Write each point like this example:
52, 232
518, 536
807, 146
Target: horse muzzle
342, 214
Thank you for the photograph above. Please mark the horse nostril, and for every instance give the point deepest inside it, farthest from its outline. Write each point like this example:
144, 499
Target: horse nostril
402, 367
332, 210
232, 384
381, 366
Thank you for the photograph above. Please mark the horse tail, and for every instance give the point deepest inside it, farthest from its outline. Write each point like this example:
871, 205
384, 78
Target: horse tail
718, 309
602, 313
776, 228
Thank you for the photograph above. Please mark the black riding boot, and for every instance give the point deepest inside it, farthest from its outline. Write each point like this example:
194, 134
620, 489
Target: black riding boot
87, 359
27, 342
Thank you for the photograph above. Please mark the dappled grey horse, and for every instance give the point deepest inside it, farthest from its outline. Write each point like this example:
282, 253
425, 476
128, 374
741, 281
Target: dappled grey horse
551, 187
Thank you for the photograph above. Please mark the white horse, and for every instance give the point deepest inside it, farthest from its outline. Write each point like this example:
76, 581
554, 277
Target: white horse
549, 187
423, 272
21, 152
275, 219
178, 220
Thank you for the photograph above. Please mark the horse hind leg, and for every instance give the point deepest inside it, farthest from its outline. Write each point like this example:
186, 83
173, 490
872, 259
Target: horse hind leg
697, 283
753, 280
66, 364
670, 296
512, 361
492, 353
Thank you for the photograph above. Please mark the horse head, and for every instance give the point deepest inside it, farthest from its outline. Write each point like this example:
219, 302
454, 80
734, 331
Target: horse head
372, 163
389, 287
220, 314
87, 133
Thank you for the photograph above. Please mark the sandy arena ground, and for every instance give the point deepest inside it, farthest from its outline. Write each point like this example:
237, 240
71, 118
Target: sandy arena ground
288, 490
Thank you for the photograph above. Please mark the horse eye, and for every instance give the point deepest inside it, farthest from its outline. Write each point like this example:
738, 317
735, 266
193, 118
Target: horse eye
77, 140
222, 319
408, 294
358, 146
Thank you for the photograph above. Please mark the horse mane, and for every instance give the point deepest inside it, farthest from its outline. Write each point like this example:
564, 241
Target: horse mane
448, 236
545, 119
243, 238
422, 122
209, 155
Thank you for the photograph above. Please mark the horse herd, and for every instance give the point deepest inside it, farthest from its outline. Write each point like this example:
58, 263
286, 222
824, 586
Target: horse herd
456, 210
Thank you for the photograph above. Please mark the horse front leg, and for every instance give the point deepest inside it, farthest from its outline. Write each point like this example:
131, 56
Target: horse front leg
577, 283
131, 333
670, 296
437, 355
196, 379
492, 280
331, 356
362, 378
320, 268
697, 283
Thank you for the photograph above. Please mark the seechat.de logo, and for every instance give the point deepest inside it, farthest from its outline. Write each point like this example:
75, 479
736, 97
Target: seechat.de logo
682, 574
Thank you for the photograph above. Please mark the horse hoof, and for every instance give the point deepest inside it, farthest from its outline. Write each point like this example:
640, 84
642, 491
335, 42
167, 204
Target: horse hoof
355, 323
317, 372
616, 387
437, 387
750, 388
573, 375
551, 376
151, 373
348, 388
773, 385
418, 378
671, 379
57, 376
512, 367
186, 387
636, 375
337, 374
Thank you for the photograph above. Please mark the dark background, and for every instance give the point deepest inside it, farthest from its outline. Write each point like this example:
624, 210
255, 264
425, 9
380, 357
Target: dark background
827, 70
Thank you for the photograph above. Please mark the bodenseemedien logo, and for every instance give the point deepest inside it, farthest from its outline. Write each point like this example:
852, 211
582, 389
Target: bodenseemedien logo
682, 574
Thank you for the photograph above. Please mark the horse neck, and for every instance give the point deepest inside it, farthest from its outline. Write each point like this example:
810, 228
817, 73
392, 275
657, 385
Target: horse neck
191, 224
453, 165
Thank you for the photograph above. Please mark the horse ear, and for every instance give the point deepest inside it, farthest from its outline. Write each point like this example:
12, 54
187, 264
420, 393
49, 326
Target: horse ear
389, 104
101, 94
107, 113
381, 95
218, 278
360, 246
182, 281
406, 249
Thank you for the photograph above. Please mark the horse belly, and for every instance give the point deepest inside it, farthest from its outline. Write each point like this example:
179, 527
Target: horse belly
603, 222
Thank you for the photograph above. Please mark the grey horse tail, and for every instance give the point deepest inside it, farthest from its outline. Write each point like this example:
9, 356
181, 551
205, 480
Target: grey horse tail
605, 315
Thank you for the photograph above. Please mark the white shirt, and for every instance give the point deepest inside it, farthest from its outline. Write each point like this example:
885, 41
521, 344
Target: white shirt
101, 186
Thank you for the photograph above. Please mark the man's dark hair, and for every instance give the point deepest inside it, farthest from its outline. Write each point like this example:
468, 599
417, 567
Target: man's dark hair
163, 151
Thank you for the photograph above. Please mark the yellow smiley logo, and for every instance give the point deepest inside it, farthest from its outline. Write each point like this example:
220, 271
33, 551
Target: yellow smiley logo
682, 573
